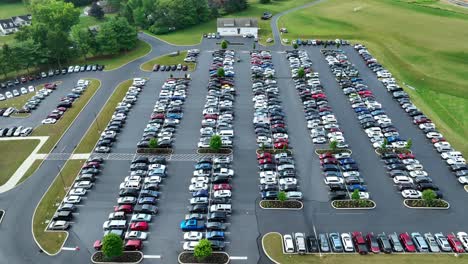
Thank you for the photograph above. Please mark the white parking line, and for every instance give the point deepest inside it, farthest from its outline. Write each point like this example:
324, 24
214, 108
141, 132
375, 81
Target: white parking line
238, 257
152, 256
70, 248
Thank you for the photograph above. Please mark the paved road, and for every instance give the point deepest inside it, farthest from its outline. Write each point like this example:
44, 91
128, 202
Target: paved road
248, 221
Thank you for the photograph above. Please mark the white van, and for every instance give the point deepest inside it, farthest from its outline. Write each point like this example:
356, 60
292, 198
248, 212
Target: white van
288, 244
114, 224
300, 243
226, 208
226, 133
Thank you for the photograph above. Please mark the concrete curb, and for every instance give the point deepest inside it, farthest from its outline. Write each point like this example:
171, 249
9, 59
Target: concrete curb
466, 188
214, 154
263, 245
98, 262
291, 209
343, 150
219, 252
425, 208
363, 208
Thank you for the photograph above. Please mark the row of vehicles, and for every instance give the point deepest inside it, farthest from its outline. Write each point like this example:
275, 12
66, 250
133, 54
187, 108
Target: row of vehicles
65, 102
31, 103
166, 115
453, 158
406, 171
319, 42
375, 243
51, 73
118, 119
83, 183
15, 131
218, 111
277, 171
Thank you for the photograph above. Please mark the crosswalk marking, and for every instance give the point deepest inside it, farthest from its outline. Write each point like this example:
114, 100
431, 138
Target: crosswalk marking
131, 156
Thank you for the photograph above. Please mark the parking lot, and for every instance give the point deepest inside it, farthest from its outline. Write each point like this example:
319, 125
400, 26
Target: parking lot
248, 222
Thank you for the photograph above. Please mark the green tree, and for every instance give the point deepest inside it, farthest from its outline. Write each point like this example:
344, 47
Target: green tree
112, 245
116, 35
338, 44
254, 46
355, 195
106, 39
8, 57
265, 1
203, 249
262, 147
224, 44
28, 54
384, 143
409, 144
428, 196
325, 45
220, 72
282, 196
215, 142
301, 73
295, 46
83, 40
153, 143
96, 11
333, 145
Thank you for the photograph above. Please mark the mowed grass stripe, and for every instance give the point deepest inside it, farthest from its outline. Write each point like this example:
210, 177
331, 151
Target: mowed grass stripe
55, 131
94, 132
51, 242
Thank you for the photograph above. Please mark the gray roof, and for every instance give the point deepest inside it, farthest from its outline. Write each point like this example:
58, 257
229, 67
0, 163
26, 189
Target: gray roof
237, 22
7, 23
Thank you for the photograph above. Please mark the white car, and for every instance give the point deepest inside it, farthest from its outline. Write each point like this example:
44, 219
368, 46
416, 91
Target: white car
193, 236
224, 172
190, 246
73, 199
83, 184
270, 174
198, 187
347, 242
153, 179
333, 180
411, 194
456, 160
16, 93
288, 181
49, 121
200, 180
9, 95
202, 173
410, 161
199, 200
364, 195
351, 174
222, 194
78, 191
2, 97
136, 235
402, 179
443, 146
418, 173
342, 155
319, 140
431, 135
412, 167
31, 88
451, 154
268, 180
463, 237
23, 90
288, 243
463, 180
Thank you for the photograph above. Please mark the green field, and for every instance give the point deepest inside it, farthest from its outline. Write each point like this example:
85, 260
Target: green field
272, 245
12, 8
52, 242
55, 131
193, 35
88, 142
422, 46
11, 160
168, 60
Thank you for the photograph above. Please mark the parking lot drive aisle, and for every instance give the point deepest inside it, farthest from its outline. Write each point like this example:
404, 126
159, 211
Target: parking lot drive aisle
244, 230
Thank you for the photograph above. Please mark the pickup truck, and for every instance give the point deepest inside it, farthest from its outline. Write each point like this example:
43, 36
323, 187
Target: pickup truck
192, 225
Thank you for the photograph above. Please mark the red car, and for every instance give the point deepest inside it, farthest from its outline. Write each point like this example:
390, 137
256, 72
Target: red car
455, 243
320, 95
365, 92
281, 140
139, 226
421, 121
97, 245
264, 161
406, 156
435, 140
63, 109
407, 242
372, 243
211, 116
127, 208
51, 86
157, 116
326, 155
359, 243
278, 125
222, 186
264, 155
133, 245
281, 145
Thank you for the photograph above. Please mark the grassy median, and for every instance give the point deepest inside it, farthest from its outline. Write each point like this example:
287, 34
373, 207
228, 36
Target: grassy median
272, 246
51, 242
55, 131
16, 102
12, 155
429, 55
92, 135
168, 60
31, 170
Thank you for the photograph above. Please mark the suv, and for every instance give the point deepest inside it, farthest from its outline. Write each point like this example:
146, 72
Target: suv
300, 243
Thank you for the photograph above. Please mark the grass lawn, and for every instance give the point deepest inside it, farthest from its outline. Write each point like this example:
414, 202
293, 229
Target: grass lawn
8, 39
52, 241
30, 171
168, 60
272, 244
16, 102
92, 135
11, 160
12, 8
56, 130
193, 35
113, 62
429, 53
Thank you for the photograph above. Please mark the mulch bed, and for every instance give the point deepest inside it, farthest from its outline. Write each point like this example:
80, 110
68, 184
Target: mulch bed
211, 151
421, 203
273, 151
154, 151
218, 258
380, 151
279, 204
353, 204
127, 257
336, 151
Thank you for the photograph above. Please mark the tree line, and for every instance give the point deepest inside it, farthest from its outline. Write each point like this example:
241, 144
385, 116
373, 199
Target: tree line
162, 16
55, 38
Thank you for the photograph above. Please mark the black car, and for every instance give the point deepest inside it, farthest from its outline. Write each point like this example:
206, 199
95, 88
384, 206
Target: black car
146, 209
217, 217
215, 226
199, 208
224, 200
129, 192
149, 193
384, 243
63, 215
100, 67
427, 186
151, 186
268, 187
312, 244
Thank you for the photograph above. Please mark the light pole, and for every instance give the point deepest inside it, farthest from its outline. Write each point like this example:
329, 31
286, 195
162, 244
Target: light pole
97, 122
61, 178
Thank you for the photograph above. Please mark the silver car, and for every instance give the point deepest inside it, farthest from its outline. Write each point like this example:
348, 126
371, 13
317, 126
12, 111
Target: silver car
433, 247
442, 242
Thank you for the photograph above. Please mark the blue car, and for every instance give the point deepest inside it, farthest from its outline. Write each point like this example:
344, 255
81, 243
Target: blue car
174, 116
202, 193
347, 161
157, 172
393, 139
361, 188
356, 80
203, 166
378, 112
350, 167
360, 109
215, 235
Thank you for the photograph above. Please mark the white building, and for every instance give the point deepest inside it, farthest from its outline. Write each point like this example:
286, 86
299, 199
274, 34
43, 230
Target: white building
237, 26
7, 26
